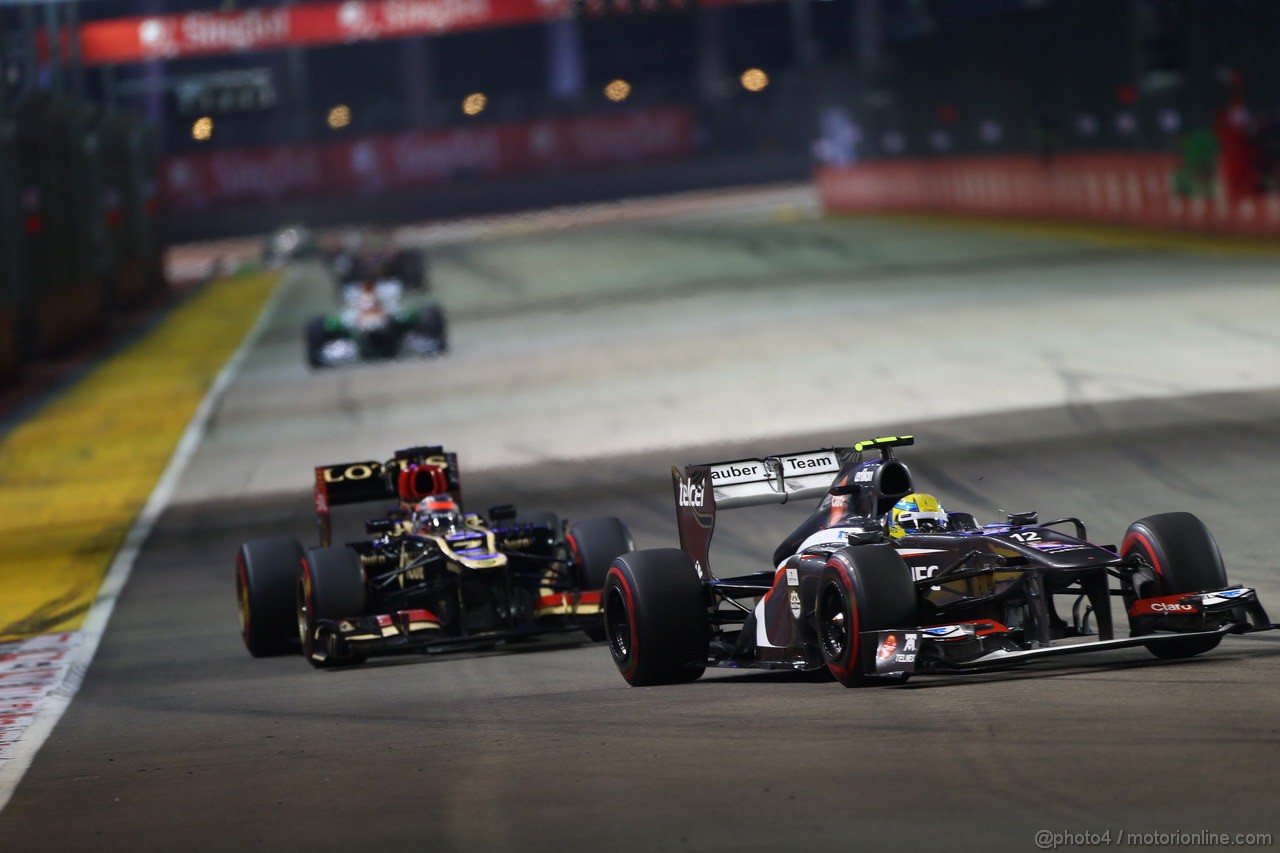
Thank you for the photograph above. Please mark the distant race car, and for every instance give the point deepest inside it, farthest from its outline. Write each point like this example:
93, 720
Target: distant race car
429, 577
880, 583
375, 324
408, 266
361, 254
290, 243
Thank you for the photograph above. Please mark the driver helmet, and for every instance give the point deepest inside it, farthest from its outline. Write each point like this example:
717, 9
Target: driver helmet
917, 513
437, 515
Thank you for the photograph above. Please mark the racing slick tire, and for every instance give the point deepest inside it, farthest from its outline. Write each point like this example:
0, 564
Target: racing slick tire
655, 617
866, 588
266, 574
432, 324
410, 266
1184, 557
315, 339
330, 585
595, 543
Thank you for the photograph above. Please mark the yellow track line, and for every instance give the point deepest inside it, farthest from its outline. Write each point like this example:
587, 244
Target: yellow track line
75, 474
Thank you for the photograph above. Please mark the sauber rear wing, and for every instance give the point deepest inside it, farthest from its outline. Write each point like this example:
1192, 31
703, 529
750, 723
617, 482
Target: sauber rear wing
413, 473
703, 489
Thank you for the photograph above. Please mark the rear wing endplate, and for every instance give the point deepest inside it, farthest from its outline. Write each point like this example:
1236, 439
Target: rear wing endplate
413, 473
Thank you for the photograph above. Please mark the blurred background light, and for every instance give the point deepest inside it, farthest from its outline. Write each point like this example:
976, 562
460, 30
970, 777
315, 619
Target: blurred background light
474, 103
202, 129
339, 116
754, 80
617, 90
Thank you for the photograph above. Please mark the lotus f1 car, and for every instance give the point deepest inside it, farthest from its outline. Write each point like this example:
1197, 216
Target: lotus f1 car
429, 577
873, 604
373, 325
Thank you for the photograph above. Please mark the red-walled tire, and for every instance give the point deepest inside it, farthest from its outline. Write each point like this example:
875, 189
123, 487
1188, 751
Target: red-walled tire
266, 572
330, 585
1181, 551
594, 544
864, 588
655, 617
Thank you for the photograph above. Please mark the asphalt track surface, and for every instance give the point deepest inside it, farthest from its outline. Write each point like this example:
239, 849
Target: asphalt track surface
178, 740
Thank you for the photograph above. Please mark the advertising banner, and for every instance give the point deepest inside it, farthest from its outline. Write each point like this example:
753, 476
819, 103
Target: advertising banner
405, 161
1135, 188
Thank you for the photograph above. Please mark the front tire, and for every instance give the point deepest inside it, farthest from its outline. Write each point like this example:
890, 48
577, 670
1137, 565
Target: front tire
330, 585
1184, 558
595, 543
266, 571
867, 588
655, 617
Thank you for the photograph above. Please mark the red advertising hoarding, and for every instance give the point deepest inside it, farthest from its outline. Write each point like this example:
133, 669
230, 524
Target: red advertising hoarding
142, 38
176, 36
1134, 188
405, 161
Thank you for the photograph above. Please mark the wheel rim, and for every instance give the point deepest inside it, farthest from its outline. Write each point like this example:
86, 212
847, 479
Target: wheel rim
617, 623
833, 625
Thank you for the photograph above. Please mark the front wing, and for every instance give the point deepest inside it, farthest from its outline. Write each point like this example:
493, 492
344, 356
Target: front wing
985, 645
419, 630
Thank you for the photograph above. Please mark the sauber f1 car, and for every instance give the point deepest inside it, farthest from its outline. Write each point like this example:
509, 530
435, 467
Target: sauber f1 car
374, 324
879, 583
430, 577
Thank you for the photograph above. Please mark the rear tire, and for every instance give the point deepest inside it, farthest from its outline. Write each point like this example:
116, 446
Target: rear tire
595, 543
315, 337
431, 324
541, 518
410, 266
330, 585
266, 574
862, 589
655, 617
1185, 558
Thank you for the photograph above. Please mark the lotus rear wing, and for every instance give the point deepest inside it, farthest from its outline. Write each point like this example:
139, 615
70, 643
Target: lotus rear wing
414, 473
701, 490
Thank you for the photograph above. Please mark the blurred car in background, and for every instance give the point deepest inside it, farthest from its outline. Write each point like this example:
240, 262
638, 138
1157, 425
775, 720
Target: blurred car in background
375, 324
357, 255
290, 243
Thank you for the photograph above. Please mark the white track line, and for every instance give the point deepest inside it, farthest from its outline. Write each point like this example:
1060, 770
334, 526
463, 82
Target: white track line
23, 752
